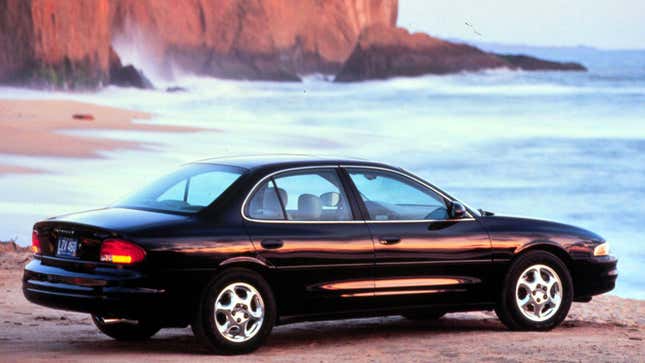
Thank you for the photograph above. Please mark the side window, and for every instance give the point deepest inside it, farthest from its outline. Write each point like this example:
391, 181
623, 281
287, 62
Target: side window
314, 195
265, 203
389, 196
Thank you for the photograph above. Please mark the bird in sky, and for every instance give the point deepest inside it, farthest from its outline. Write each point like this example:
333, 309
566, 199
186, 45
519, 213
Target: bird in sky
473, 28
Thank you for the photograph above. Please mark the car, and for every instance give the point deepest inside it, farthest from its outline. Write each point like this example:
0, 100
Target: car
234, 246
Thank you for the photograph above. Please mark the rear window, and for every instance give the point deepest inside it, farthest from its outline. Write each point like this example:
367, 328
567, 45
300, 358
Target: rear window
187, 190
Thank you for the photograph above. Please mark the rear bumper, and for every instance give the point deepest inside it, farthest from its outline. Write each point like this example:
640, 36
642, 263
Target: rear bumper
105, 291
594, 276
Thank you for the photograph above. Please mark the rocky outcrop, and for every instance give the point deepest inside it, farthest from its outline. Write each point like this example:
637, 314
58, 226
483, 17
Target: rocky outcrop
384, 52
128, 75
60, 43
275, 39
528, 63
67, 43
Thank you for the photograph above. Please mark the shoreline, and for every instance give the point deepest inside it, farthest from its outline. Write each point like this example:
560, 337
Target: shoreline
36, 128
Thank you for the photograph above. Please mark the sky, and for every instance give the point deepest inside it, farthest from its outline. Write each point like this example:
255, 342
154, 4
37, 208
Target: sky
611, 24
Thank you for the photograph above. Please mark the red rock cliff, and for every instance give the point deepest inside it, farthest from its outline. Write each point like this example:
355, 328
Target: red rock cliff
50, 39
69, 41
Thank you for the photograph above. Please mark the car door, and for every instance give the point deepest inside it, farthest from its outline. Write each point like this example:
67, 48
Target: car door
423, 255
305, 227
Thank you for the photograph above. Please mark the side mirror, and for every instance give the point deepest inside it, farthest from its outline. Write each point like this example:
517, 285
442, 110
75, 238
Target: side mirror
486, 213
457, 210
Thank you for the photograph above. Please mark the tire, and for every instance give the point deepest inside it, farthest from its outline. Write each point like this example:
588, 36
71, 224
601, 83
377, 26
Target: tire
527, 302
424, 315
126, 330
237, 327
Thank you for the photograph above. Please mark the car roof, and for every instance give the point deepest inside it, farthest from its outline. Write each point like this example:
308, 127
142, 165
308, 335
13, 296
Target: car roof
263, 161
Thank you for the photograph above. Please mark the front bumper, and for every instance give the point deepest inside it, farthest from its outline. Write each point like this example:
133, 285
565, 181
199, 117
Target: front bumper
105, 291
594, 276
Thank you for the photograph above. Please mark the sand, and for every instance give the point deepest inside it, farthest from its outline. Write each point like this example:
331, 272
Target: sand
37, 128
609, 329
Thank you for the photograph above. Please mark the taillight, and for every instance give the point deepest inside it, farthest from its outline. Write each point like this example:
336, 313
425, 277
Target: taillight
122, 252
35, 242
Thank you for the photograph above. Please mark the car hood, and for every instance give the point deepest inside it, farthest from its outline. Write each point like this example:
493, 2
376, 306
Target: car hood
538, 226
121, 219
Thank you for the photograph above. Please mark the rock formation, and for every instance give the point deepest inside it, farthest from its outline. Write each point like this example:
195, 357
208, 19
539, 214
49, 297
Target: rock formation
528, 63
68, 44
383, 52
55, 42
128, 75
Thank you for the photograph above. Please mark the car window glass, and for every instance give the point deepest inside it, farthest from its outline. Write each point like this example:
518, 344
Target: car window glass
314, 196
174, 193
204, 188
265, 203
188, 189
389, 196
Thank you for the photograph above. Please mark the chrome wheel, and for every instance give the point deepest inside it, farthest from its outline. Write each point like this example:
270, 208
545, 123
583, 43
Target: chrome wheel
538, 293
239, 312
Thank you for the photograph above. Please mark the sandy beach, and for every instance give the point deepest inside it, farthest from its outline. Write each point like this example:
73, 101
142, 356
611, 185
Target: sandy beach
609, 329
37, 128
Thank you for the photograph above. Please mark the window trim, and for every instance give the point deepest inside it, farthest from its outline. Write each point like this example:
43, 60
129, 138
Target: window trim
271, 176
351, 195
346, 167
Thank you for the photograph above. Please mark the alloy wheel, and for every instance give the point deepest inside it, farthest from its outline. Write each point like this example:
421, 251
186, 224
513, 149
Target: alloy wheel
239, 312
538, 293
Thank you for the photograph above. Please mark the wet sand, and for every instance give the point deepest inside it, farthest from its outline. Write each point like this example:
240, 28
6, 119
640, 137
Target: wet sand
37, 128
609, 329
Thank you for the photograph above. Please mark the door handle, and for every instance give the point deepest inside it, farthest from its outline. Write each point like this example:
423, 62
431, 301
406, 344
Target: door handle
271, 244
389, 240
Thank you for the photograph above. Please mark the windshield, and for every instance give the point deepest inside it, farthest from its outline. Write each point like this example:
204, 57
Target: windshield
187, 190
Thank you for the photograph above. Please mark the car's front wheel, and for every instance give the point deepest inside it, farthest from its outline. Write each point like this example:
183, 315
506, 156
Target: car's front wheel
236, 313
125, 330
537, 292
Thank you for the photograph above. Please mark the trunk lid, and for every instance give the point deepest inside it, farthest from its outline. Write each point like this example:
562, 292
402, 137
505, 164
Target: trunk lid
75, 239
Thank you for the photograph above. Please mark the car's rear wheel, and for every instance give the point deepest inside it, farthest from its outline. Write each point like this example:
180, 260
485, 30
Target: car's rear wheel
424, 315
236, 313
537, 292
125, 330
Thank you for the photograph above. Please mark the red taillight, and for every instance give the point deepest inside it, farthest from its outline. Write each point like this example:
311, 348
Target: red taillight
35, 242
122, 252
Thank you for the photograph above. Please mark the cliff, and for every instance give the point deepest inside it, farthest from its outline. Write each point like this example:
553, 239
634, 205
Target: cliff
54, 42
67, 43
382, 52
89, 43
275, 39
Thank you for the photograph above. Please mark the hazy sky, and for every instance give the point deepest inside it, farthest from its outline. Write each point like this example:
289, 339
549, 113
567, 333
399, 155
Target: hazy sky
600, 23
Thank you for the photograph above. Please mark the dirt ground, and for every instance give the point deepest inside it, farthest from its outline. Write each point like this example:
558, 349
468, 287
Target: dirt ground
609, 329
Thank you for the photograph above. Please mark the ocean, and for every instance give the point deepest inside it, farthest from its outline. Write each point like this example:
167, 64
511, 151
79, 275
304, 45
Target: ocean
563, 146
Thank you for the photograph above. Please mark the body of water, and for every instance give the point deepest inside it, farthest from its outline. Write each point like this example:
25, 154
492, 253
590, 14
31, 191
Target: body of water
563, 146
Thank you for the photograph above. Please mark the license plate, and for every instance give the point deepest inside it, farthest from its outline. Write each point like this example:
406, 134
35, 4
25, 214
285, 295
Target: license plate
67, 247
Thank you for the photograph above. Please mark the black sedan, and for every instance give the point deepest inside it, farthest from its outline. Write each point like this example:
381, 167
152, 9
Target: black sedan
235, 246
